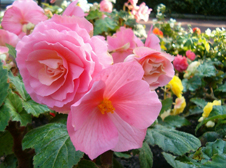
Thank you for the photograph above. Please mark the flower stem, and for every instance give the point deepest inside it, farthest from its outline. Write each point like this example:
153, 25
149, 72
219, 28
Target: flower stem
106, 159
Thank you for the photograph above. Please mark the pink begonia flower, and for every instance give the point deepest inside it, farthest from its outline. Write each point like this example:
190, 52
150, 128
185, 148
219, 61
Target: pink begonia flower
7, 37
52, 1
115, 113
142, 13
74, 10
180, 63
122, 43
152, 41
106, 6
19, 14
157, 66
190, 55
58, 60
133, 2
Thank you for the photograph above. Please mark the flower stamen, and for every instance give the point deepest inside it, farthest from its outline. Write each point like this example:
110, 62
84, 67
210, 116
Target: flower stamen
105, 106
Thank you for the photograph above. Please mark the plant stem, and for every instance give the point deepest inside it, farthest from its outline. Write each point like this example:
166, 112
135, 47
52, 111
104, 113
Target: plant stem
106, 159
23, 156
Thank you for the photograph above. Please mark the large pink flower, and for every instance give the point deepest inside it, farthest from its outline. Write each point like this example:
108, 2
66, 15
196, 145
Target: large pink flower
106, 6
20, 13
158, 69
141, 13
58, 60
74, 10
115, 113
180, 63
122, 43
7, 38
152, 41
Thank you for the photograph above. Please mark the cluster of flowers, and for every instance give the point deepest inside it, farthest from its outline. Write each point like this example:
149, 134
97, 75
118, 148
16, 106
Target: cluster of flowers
105, 86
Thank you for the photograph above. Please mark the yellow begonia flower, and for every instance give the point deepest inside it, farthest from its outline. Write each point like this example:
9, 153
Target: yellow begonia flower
179, 106
176, 86
208, 108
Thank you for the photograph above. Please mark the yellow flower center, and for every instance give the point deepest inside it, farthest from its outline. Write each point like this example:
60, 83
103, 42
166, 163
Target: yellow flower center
105, 106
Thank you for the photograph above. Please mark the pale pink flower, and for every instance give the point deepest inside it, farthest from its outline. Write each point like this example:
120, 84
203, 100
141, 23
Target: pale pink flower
133, 2
19, 14
52, 1
115, 113
152, 41
74, 10
7, 37
106, 6
190, 55
157, 66
142, 13
122, 43
58, 60
180, 63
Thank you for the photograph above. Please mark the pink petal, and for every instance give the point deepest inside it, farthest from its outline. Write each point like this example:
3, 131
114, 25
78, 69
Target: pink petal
153, 41
73, 9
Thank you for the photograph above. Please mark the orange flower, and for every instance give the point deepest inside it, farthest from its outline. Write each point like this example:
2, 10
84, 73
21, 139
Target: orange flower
157, 32
196, 30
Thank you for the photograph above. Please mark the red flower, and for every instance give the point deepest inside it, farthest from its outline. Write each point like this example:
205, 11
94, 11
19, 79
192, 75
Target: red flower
157, 32
196, 30
180, 63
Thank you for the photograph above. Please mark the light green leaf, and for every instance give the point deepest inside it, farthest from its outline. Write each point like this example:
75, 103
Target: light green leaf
218, 112
53, 146
94, 14
145, 156
175, 121
166, 104
13, 104
12, 50
206, 70
171, 140
200, 102
86, 164
4, 117
122, 155
104, 25
6, 143
4, 86
34, 108
18, 85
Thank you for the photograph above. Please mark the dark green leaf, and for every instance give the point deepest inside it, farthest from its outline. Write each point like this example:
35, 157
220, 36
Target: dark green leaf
145, 156
175, 121
4, 117
166, 104
104, 25
9, 162
3, 84
13, 104
192, 84
12, 50
52, 145
6, 143
206, 70
218, 112
34, 108
172, 140
222, 88
94, 14
18, 85
86, 164
175, 163
200, 102
217, 161
196, 110
116, 164
122, 155
210, 136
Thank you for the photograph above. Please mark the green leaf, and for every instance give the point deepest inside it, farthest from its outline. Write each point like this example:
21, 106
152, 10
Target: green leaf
94, 14
18, 85
166, 104
104, 25
175, 163
86, 164
34, 108
6, 143
10, 161
206, 70
4, 86
4, 117
192, 84
218, 112
175, 121
117, 164
52, 145
145, 156
222, 88
217, 161
200, 102
122, 155
171, 140
12, 50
